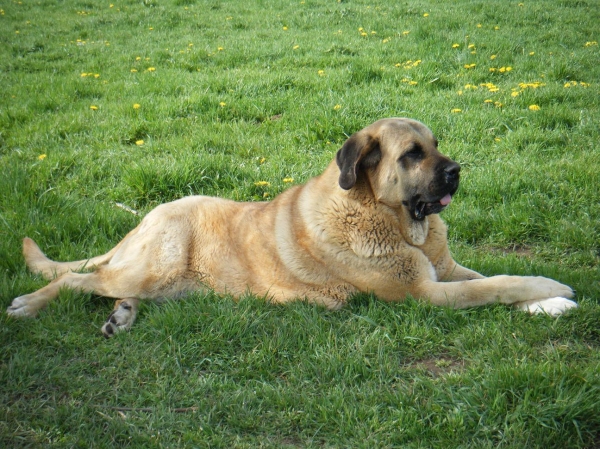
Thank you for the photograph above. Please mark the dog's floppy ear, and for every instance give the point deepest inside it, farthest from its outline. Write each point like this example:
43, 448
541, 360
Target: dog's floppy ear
359, 148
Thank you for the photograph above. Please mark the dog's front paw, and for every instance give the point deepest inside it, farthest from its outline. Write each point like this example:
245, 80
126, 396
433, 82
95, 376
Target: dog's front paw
119, 319
20, 308
549, 288
551, 306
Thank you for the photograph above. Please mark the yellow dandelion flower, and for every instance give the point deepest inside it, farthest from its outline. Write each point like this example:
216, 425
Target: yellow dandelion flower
498, 104
590, 44
460, 92
151, 69
479, 25
133, 70
492, 57
496, 28
412, 83
488, 101
136, 106
321, 72
94, 108
456, 110
222, 104
295, 47
514, 94
455, 45
386, 40
138, 58
337, 107
534, 107
469, 66
220, 49
262, 160
288, 180
426, 14
531, 53
96, 75
41, 157
262, 183
139, 143
285, 28
497, 139
471, 46
405, 33
533, 85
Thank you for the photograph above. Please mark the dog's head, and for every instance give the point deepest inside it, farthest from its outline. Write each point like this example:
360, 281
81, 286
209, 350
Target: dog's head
399, 159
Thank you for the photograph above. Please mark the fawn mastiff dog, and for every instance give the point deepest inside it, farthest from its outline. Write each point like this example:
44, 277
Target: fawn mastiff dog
368, 223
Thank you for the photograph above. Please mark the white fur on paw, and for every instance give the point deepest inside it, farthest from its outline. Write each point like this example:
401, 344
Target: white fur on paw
551, 306
19, 308
119, 320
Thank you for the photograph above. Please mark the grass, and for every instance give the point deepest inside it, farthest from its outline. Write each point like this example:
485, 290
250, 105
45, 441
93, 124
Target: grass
233, 93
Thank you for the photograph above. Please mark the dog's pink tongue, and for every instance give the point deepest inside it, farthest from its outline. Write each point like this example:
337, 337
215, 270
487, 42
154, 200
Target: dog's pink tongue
446, 200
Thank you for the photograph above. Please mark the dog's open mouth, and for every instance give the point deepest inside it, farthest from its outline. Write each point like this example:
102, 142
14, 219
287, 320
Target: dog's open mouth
422, 209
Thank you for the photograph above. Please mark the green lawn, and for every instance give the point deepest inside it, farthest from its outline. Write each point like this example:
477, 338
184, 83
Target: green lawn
141, 102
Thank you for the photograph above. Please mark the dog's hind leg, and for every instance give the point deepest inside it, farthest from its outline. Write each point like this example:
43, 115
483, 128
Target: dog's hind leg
122, 316
29, 305
38, 263
101, 282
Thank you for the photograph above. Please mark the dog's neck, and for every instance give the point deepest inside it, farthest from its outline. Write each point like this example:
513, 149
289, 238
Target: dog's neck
414, 231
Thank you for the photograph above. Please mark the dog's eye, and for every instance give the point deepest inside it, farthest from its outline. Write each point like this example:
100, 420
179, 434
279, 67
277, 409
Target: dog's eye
415, 153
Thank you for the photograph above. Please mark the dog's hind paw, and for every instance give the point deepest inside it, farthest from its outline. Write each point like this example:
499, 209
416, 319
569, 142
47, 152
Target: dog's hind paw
120, 319
20, 308
551, 306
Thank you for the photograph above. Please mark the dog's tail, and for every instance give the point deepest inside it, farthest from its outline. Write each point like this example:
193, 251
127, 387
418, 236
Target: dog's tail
38, 262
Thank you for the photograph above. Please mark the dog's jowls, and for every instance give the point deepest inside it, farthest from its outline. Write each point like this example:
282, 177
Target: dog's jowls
368, 223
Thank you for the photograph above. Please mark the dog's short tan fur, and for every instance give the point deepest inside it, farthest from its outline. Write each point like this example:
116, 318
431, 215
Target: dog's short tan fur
368, 223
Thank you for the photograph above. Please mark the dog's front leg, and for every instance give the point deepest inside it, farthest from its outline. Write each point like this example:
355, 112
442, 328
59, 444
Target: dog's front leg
496, 289
457, 273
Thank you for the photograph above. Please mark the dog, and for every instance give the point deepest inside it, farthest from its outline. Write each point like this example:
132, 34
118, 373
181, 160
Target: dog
368, 223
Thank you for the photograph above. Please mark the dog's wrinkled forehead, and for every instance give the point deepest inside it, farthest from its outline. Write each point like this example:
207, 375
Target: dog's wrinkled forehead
403, 131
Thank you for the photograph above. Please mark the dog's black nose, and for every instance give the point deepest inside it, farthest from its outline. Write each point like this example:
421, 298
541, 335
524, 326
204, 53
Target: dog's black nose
452, 170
